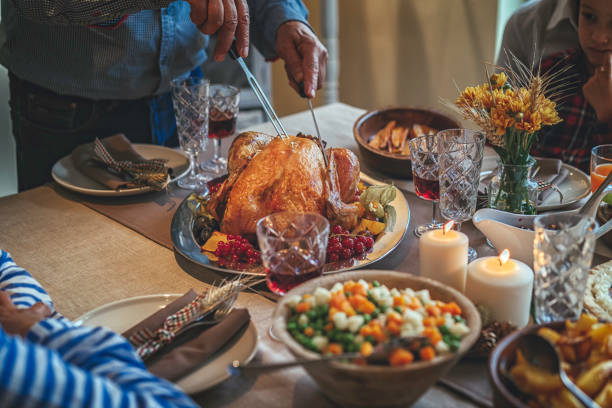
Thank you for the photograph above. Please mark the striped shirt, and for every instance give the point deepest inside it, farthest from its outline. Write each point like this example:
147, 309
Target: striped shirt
63, 365
71, 47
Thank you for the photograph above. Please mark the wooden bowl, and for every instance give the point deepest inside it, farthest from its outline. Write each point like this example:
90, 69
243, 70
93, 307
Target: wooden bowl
376, 386
368, 124
502, 359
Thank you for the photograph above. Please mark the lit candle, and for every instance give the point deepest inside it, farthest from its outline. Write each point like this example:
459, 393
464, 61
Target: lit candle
503, 286
443, 255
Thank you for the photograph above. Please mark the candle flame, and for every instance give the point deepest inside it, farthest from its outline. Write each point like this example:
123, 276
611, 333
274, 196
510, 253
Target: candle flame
503, 257
448, 226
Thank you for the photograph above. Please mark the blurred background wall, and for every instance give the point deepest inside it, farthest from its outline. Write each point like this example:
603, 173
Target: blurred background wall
391, 52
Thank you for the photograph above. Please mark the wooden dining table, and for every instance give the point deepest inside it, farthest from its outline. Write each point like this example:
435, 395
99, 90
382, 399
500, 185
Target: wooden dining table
85, 257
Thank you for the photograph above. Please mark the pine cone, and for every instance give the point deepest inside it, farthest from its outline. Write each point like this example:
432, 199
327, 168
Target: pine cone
501, 329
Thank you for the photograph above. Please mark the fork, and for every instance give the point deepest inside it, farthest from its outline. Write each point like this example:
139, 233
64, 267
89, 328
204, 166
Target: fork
218, 315
545, 185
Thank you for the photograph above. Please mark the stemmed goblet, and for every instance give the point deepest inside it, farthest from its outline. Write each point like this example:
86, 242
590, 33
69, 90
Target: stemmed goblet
190, 101
223, 111
424, 157
459, 159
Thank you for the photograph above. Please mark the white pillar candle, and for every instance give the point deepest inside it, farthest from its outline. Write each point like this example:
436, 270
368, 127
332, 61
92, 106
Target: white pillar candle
503, 286
443, 255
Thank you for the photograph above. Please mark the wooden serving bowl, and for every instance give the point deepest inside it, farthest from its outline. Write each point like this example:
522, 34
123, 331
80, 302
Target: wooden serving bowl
502, 359
377, 386
368, 124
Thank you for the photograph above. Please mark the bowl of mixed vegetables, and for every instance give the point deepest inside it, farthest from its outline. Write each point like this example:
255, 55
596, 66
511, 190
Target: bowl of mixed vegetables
362, 312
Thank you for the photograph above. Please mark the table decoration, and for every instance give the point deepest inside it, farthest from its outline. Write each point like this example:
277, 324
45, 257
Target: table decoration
444, 256
563, 251
511, 109
502, 286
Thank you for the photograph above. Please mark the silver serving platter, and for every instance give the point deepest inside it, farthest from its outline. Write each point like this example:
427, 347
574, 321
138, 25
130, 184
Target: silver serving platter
184, 241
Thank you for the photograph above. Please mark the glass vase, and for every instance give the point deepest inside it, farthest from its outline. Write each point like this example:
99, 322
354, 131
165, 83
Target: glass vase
512, 190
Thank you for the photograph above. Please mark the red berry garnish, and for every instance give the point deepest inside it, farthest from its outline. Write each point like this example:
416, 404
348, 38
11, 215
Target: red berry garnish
369, 242
333, 257
359, 248
337, 229
348, 242
347, 253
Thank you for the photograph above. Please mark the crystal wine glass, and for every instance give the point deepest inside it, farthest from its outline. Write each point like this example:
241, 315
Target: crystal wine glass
190, 101
424, 157
563, 251
293, 248
459, 159
223, 109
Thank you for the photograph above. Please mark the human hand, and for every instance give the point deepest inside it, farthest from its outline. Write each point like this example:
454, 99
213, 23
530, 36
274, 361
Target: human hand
226, 18
598, 90
304, 55
19, 321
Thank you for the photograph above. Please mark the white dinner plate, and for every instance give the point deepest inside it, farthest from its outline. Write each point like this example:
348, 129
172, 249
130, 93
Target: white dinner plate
123, 314
67, 175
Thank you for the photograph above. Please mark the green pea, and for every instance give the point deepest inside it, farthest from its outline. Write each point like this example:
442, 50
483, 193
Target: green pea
367, 318
348, 337
459, 319
384, 308
375, 313
444, 330
375, 284
312, 314
398, 309
370, 339
347, 294
301, 327
291, 325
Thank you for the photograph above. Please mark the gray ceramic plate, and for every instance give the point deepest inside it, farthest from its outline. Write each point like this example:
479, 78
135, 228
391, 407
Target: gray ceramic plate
184, 241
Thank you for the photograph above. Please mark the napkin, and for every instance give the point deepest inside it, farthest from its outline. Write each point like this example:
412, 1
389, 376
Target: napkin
114, 163
185, 354
551, 171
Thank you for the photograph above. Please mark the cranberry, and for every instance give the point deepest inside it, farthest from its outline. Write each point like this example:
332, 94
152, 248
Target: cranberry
333, 257
348, 242
347, 253
369, 242
333, 241
359, 248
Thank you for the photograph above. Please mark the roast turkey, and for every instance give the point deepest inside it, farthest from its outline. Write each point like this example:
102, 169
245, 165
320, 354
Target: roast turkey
267, 174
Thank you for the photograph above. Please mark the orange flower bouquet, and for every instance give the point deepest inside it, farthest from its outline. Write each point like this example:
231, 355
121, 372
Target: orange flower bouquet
511, 110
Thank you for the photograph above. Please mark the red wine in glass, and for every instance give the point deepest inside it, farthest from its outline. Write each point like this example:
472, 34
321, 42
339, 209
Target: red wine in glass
221, 124
426, 188
287, 270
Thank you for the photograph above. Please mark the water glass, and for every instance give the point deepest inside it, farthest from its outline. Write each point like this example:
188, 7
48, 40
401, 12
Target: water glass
190, 101
223, 108
293, 248
459, 159
562, 250
601, 165
424, 158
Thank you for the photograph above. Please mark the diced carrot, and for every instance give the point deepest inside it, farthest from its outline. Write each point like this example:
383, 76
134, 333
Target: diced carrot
334, 348
433, 334
309, 331
303, 307
357, 300
452, 308
367, 307
427, 353
365, 331
440, 321
348, 309
415, 303
328, 327
393, 327
433, 310
337, 299
366, 348
394, 317
306, 296
378, 333
400, 356
358, 289
398, 301
430, 321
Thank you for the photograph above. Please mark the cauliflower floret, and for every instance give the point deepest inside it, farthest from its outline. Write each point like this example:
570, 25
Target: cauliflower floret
459, 329
338, 287
303, 319
293, 301
394, 292
355, 322
310, 300
359, 339
382, 319
321, 296
320, 342
381, 294
448, 320
412, 316
424, 297
408, 292
340, 320
441, 347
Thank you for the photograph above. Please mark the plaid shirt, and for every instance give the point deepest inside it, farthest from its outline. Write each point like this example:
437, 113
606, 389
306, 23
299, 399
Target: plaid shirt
572, 140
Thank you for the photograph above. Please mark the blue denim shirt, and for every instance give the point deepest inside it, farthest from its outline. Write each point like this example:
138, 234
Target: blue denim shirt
54, 43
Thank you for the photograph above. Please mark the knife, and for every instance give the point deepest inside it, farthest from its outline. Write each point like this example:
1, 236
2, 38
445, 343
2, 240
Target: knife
314, 119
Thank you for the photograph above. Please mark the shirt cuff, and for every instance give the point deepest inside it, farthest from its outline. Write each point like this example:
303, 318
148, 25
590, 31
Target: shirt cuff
42, 330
